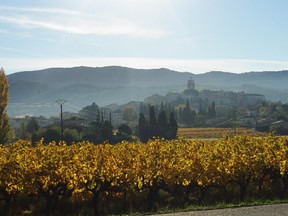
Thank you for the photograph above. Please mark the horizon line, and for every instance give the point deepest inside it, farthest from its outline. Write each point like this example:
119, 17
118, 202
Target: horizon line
135, 68
195, 66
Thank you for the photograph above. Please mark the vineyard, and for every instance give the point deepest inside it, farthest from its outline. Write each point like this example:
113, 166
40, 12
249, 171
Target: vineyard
88, 179
212, 133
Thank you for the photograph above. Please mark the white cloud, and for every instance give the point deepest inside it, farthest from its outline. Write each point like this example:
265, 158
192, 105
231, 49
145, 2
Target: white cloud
182, 65
41, 10
74, 22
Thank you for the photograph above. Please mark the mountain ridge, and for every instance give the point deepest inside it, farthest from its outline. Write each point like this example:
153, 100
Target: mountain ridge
114, 84
108, 74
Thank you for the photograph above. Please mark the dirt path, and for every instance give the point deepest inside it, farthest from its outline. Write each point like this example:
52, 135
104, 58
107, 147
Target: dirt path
264, 210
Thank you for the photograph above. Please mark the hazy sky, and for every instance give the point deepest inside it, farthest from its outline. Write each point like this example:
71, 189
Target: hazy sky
185, 35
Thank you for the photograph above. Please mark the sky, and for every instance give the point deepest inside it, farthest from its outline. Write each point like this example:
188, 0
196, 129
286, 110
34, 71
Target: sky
185, 35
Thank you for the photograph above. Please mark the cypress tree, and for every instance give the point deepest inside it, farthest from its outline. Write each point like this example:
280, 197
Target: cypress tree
162, 107
213, 109
98, 116
142, 128
162, 120
209, 111
181, 119
162, 124
173, 127
152, 123
193, 116
141, 108
187, 114
107, 131
5, 128
152, 119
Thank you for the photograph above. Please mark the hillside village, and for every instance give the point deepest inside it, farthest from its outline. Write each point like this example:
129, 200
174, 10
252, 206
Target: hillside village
192, 108
200, 99
227, 105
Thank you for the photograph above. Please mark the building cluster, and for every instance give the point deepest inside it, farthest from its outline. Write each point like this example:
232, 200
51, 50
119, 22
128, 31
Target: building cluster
202, 99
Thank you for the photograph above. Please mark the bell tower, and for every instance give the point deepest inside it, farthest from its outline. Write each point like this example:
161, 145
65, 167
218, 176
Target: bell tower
191, 84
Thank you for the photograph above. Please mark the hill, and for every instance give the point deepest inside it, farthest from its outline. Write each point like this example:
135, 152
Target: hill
34, 92
112, 76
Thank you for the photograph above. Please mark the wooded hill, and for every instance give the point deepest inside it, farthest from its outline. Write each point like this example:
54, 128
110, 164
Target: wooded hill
34, 92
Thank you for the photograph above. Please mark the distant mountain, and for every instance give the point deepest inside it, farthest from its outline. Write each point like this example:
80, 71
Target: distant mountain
34, 92
274, 80
112, 76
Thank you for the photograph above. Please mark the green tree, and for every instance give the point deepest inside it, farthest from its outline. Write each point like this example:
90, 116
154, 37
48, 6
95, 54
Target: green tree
92, 133
211, 110
5, 128
124, 129
71, 135
32, 126
162, 119
173, 127
98, 118
162, 124
200, 120
143, 128
48, 134
107, 131
186, 115
124, 133
90, 112
152, 130
152, 119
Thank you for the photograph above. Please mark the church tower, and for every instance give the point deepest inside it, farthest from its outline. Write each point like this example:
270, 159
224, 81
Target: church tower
191, 84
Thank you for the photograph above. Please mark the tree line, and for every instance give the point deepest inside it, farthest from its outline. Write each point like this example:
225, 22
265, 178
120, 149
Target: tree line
163, 126
97, 129
190, 117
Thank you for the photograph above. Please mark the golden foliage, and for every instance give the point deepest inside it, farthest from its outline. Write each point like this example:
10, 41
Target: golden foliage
5, 129
85, 168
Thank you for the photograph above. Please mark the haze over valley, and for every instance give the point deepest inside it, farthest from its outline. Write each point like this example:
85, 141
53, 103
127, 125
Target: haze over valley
34, 92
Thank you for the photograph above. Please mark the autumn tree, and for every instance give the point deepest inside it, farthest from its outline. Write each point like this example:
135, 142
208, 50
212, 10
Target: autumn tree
129, 113
5, 129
